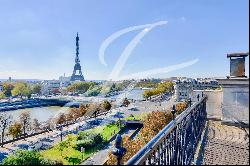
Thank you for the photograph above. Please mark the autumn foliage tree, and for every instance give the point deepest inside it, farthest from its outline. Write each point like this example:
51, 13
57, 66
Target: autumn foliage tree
154, 122
7, 88
152, 125
181, 107
15, 129
61, 119
106, 105
163, 87
125, 102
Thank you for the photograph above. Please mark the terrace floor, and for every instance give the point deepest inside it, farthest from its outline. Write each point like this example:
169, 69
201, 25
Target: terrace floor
225, 145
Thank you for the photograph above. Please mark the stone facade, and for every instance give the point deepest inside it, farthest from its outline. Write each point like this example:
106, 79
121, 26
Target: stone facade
50, 86
214, 102
235, 101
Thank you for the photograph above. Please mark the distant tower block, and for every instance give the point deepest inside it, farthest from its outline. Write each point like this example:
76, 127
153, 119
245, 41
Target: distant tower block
77, 72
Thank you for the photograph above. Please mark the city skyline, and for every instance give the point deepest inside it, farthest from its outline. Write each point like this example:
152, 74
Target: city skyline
38, 39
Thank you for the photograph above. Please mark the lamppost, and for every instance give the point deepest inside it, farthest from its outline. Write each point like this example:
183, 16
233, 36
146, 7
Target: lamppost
82, 151
173, 111
198, 97
190, 102
119, 118
60, 127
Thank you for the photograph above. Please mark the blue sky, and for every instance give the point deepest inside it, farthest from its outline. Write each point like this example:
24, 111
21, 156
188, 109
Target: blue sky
37, 38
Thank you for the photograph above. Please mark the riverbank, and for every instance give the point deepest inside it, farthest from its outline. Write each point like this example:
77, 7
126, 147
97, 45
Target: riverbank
31, 103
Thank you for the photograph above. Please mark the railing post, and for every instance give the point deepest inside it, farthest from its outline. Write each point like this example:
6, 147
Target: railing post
173, 111
119, 151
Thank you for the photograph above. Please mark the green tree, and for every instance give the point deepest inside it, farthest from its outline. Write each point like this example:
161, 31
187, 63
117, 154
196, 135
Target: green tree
146, 84
15, 129
94, 91
147, 94
25, 157
7, 88
36, 89
2, 95
73, 160
161, 88
80, 87
61, 146
166, 86
21, 89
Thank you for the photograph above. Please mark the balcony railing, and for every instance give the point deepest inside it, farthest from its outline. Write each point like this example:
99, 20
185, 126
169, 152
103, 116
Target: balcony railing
177, 142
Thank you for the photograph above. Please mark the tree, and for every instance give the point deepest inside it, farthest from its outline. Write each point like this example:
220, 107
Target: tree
61, 146
49, 124
7, 88
21, 89
36, 124
73, 114
61, 119
80, 87
2, 95
25, 157
126, 102
15, 129
5, 120
161, 88
97, 111
154, 123
106, 105
167, 86
25, 121
73, 160
93, 109
94, 91
82, 110
181, 107
147, 94
36, 89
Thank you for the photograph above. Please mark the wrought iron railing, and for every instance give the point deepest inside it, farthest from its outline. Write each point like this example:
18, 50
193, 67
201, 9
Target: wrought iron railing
177, 142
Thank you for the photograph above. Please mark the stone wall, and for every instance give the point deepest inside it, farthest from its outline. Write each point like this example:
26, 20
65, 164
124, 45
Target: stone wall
235, 102
214, 102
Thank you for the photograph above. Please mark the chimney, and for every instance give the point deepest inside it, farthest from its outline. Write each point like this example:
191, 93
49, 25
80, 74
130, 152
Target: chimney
237, 64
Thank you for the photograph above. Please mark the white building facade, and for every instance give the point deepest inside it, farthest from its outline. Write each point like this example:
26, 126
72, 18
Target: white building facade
183, 90
50, 87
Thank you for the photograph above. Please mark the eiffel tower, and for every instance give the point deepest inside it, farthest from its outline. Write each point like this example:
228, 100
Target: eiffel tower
77, 67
